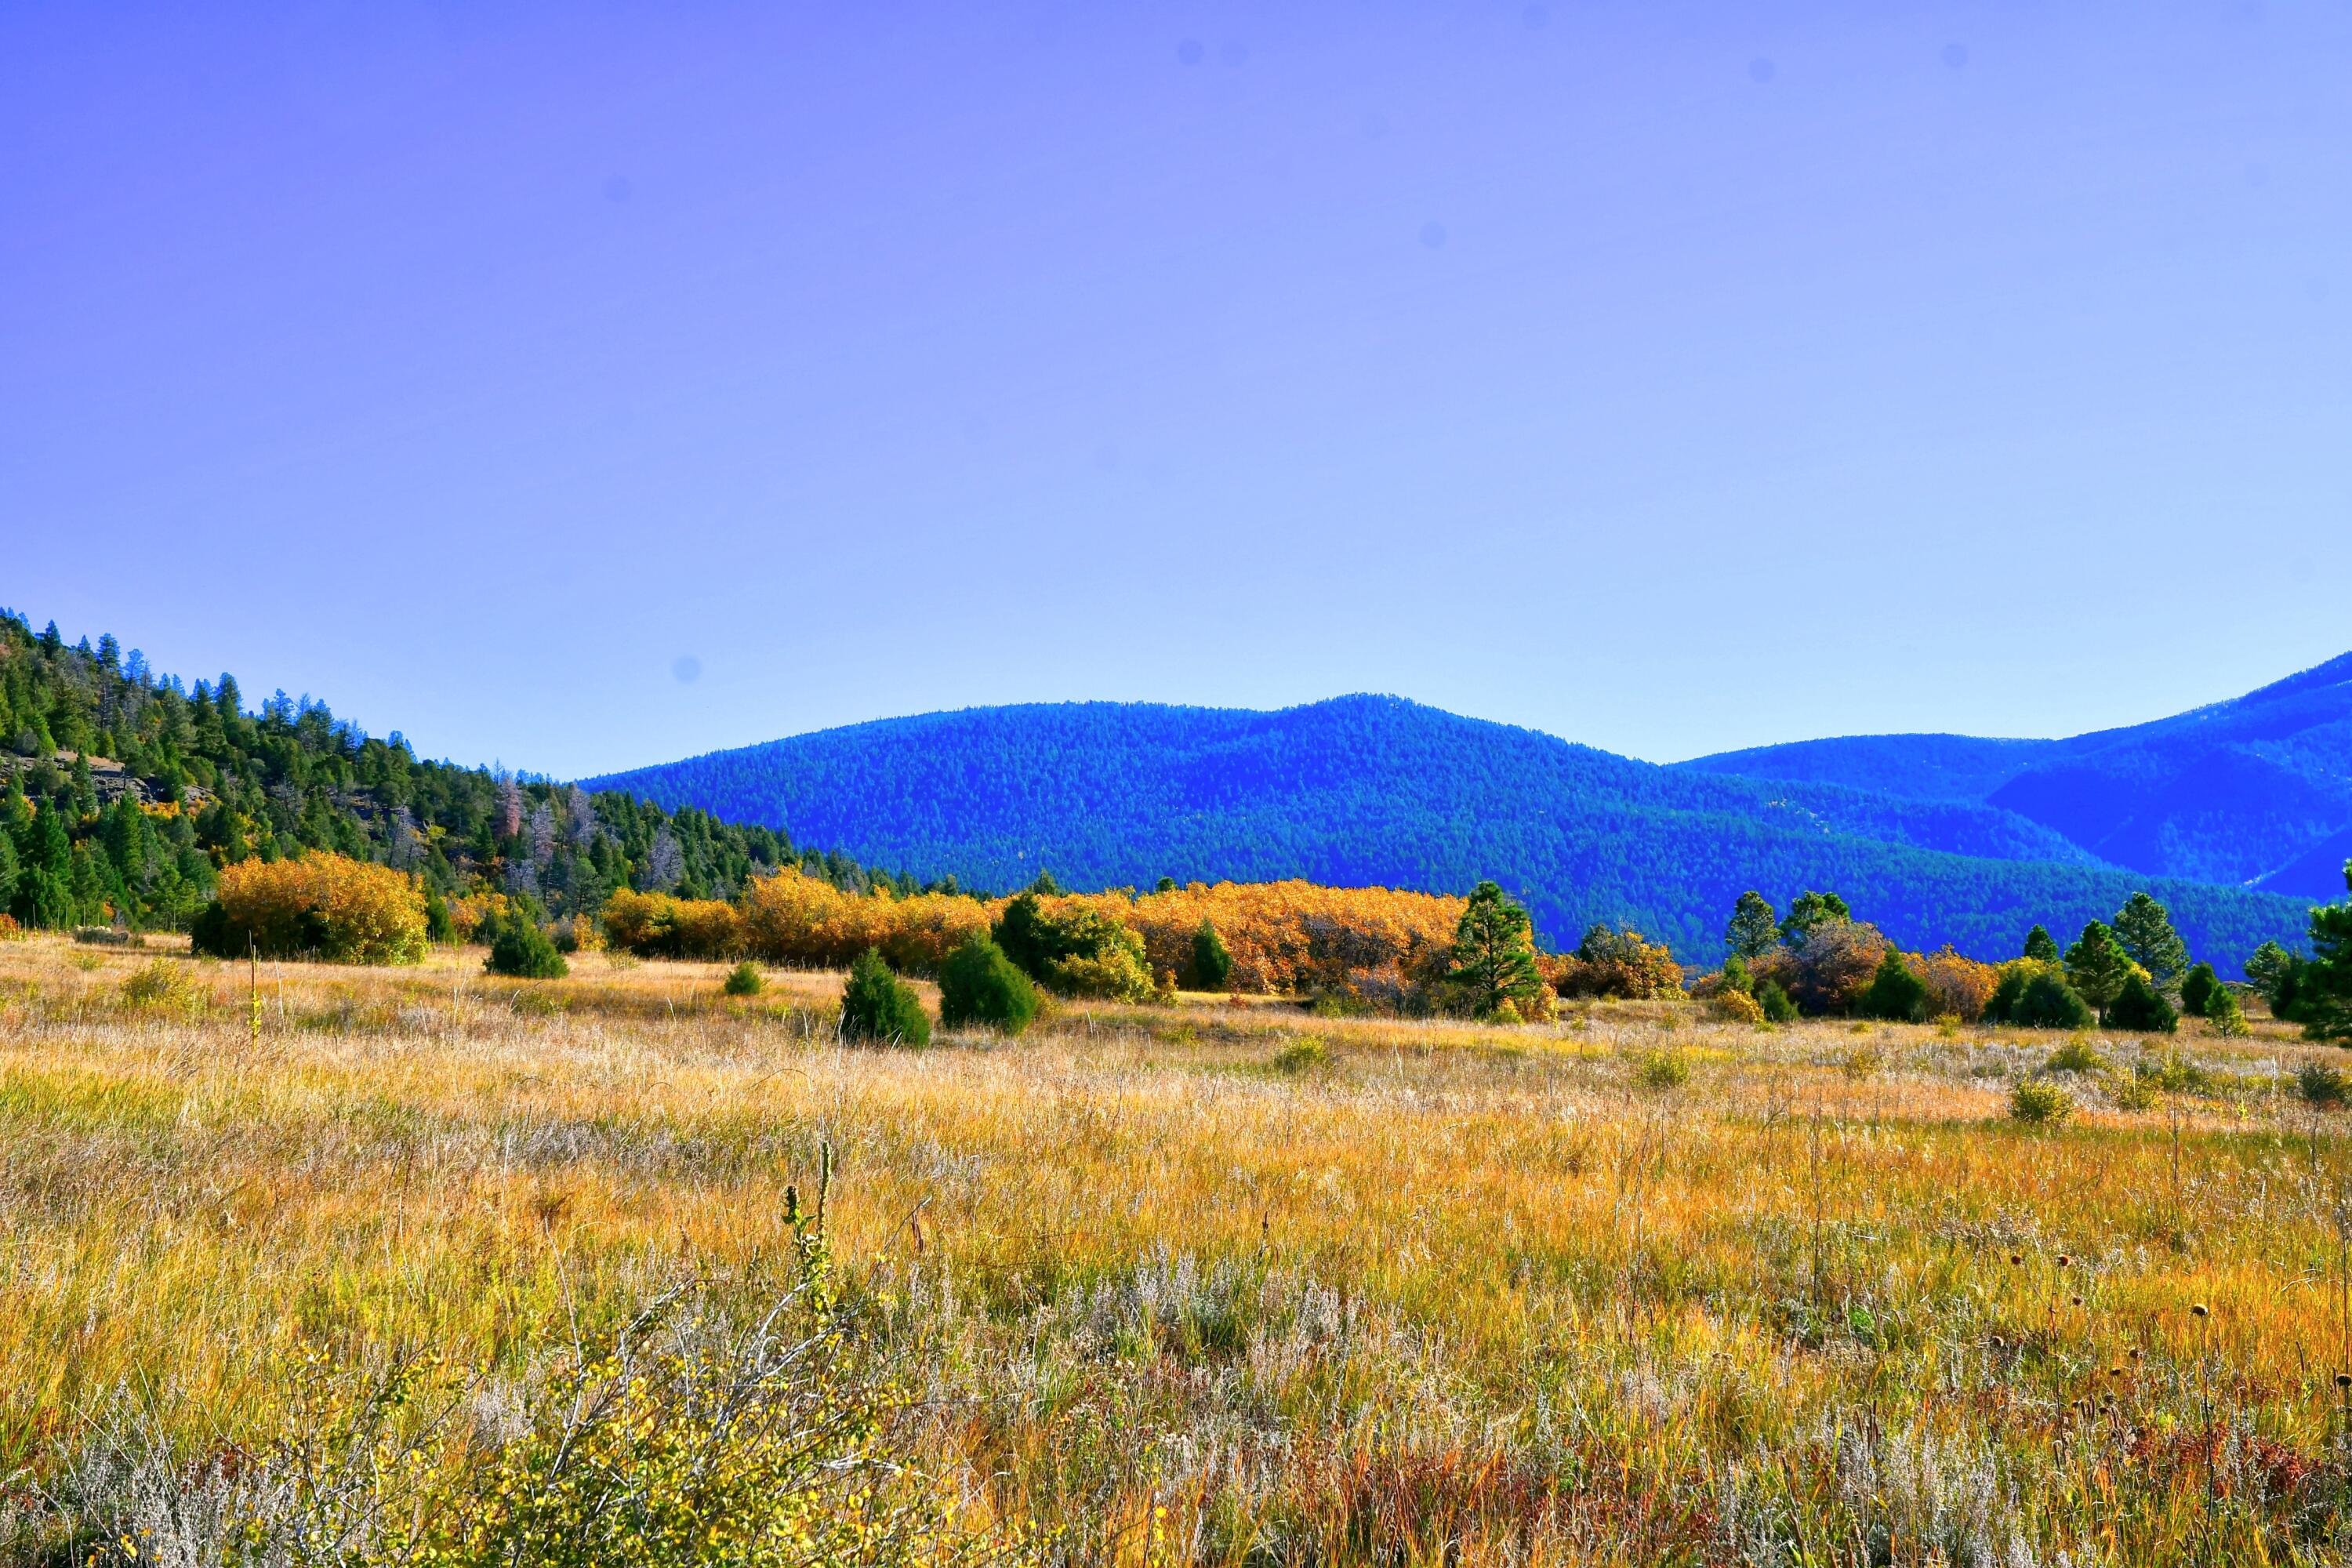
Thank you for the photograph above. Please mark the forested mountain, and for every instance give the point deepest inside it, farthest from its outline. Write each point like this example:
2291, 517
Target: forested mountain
122, 792
1373, 789
2253, 792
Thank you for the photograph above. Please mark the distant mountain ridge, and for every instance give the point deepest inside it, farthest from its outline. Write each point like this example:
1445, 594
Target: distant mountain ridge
1377, 790
2252, 792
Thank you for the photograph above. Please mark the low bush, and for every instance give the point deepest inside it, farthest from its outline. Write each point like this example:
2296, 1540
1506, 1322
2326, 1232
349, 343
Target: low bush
1662, 1070
2225, 1016
1304, 1055
1894, 993
979, 987
744, 980
2077, 1056
321, 906
877, 1004
1777, 1006
2197, 988
520, 950
2039, 1103
2320, 1084
160, 982
1736, 1007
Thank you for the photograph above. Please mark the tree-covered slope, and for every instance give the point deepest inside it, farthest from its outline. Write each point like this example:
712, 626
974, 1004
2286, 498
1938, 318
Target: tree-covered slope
2251, 792
124, 791
1367, 789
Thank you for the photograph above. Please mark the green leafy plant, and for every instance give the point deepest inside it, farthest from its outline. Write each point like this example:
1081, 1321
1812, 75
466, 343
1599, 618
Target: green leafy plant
2040, 1103
875, 1004
522, 950
978, 986
1662, 1070
744, 980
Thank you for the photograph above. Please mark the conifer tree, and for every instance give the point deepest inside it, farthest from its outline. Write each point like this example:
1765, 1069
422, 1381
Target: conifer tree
2041, 946
1894, 992
1754, 927
1212, 965
877, 1005
2324, 987
2143, 929
2097, 967
1494, 953
1811, 909
2197, 989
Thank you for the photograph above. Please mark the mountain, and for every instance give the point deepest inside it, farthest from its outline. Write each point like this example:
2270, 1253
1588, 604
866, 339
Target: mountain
1375, 790
2254, 792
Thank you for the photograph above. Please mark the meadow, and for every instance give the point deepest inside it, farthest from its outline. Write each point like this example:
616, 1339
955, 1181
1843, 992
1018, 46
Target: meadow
1214, 1283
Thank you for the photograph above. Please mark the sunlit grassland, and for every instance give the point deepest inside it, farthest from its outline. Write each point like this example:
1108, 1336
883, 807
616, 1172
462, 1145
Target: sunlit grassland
1189, 1292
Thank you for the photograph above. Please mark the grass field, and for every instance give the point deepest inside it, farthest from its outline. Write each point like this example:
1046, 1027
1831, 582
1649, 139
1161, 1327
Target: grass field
1219, 1284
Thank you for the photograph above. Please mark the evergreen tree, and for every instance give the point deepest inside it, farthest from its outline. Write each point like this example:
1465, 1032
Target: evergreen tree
2097, 967
2324, 988
1212, 964
2225, 1016
979, 985
1778, 1008
2041, 946
1811, 909
1896, 992
2197, 989
1044, 886
1754, 927
520, 950
875, 1004
2265, 967
2141, 1007
2143, 929
1494, 952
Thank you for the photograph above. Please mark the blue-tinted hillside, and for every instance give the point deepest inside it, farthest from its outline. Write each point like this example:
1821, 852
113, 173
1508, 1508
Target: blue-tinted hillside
2256, 791
1367, 789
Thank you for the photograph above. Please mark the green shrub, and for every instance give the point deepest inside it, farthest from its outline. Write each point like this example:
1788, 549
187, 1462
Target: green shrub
1662, 1070
1777, 1008
160, 982
878, 1005
978, 986
1075, 950
2077, 1055
1896, 992
519, 950
1304, 1055
2039, 1103
2321, 1084
2038, 1000
2197, 988
2175, 1074
744, 980
2225, 1016
2142, 1009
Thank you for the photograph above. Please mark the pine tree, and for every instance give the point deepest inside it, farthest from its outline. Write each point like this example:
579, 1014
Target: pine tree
2324, 988
2197, 989
1212, 965
2041, 946
1754, 927
2142, 1008
2143, 929
2097, 967
1494, 953
1811, 909
1896, 992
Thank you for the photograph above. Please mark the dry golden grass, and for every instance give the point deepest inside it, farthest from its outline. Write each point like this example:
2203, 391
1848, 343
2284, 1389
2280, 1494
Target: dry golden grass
1188, 1288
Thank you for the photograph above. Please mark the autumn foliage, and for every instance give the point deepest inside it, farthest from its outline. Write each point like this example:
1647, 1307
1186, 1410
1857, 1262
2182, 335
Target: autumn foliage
322, 905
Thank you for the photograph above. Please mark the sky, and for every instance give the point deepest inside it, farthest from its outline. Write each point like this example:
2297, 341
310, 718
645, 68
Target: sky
580, 386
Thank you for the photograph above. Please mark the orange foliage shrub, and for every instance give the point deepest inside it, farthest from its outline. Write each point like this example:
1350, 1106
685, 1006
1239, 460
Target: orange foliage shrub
1959, 985
468, 911
9, 930
322, 905
1617, 962
655, 925
793, 918
1291, 938
1829, 967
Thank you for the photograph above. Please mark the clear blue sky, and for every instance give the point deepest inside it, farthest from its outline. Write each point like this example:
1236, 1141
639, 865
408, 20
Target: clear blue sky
1670, 377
